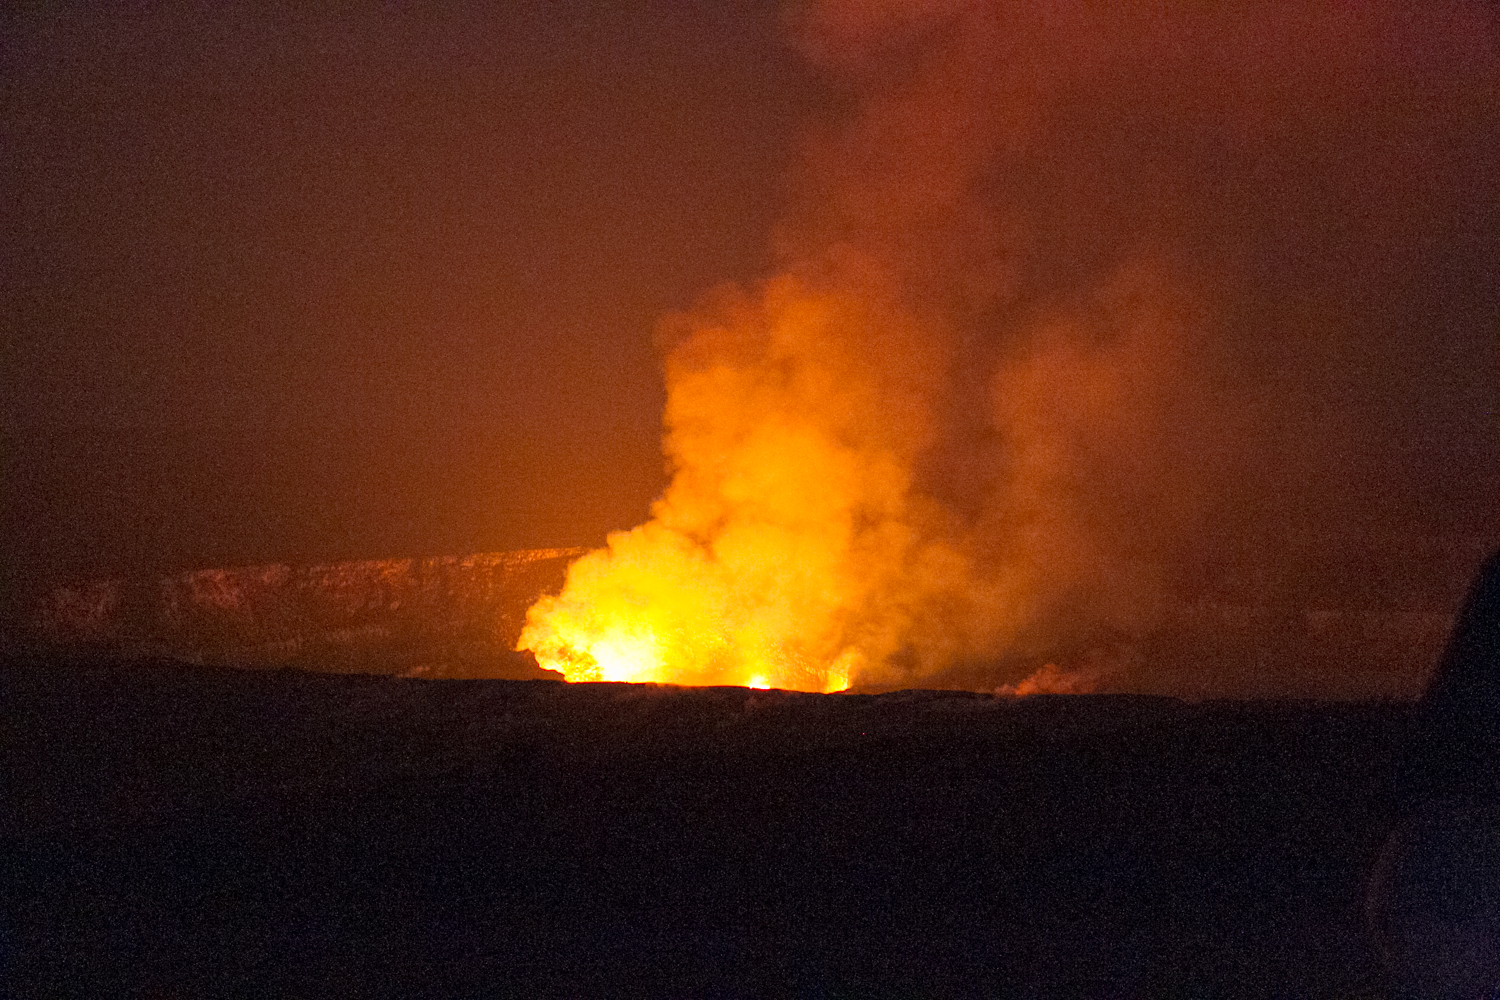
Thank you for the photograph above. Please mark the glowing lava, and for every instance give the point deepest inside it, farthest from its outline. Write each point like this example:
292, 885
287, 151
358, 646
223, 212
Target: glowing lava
788, 550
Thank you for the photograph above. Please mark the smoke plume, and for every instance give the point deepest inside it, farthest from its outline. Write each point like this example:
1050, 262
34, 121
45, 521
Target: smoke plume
1080, 304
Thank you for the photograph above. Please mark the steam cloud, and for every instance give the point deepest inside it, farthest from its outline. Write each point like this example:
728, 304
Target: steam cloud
1076, 301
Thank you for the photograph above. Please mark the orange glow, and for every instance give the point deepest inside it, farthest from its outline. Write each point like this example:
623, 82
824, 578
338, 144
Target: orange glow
788, 550
1050, 679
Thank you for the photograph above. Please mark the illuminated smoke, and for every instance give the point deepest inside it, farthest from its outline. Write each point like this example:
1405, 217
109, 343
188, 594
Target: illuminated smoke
1074, 296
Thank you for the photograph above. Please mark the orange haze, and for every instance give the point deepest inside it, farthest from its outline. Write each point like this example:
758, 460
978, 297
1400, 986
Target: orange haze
1074, 294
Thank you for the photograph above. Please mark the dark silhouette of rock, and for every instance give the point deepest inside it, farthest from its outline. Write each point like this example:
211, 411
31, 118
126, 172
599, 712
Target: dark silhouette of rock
1457, 735
1464, 694
1433, 896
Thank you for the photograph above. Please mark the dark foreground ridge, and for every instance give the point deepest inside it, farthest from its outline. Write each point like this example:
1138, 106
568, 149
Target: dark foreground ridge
179, 830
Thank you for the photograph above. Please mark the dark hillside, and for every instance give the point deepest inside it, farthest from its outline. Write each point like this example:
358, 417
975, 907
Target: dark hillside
192, 831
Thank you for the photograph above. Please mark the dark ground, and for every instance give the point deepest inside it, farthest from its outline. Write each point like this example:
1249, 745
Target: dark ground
178, 831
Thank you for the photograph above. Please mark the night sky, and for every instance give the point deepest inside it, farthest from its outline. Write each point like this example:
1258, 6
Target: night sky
286, 286
300, 287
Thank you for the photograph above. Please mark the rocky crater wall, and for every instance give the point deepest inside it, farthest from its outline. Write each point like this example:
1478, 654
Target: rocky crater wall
443, 616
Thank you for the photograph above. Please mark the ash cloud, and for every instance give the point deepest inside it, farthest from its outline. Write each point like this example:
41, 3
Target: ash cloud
1086, 311
1215, 286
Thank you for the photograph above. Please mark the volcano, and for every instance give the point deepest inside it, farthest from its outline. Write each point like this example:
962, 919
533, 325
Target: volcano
191, 828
